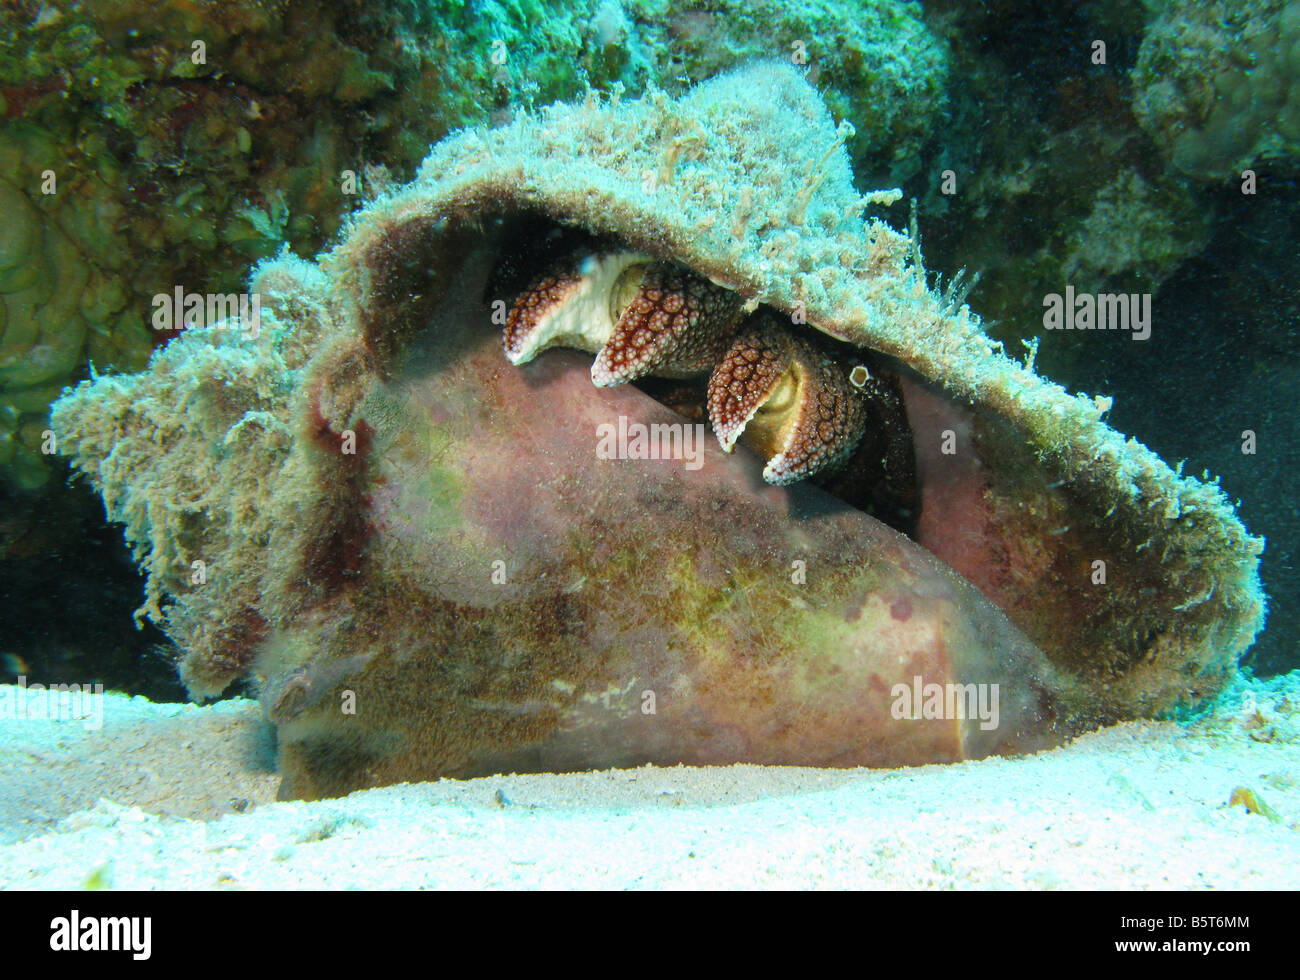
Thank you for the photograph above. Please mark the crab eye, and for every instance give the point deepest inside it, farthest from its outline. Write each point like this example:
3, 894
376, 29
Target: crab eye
625, 289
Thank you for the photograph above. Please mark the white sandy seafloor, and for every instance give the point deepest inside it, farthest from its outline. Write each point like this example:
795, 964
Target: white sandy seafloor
181, 797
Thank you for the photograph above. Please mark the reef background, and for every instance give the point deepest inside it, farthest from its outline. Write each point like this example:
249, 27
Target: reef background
180, 173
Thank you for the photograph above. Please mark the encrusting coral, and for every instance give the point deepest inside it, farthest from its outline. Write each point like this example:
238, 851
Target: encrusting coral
1217, 85
345, 476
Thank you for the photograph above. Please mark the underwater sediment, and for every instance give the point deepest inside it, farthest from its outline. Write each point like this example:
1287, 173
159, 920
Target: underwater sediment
416, 549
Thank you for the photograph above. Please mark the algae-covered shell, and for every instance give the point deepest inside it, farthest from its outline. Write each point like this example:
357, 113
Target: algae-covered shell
1138, 579
296, 462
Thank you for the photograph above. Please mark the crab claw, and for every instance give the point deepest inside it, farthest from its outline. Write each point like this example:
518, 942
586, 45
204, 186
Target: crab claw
639, 317
670, 323
569, 307
787, 400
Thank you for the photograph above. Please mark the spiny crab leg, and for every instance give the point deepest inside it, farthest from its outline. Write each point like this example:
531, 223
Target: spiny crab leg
794, 403
789, 401
638, 316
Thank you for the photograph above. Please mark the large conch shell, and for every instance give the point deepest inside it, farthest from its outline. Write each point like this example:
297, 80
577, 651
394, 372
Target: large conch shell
414, 547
